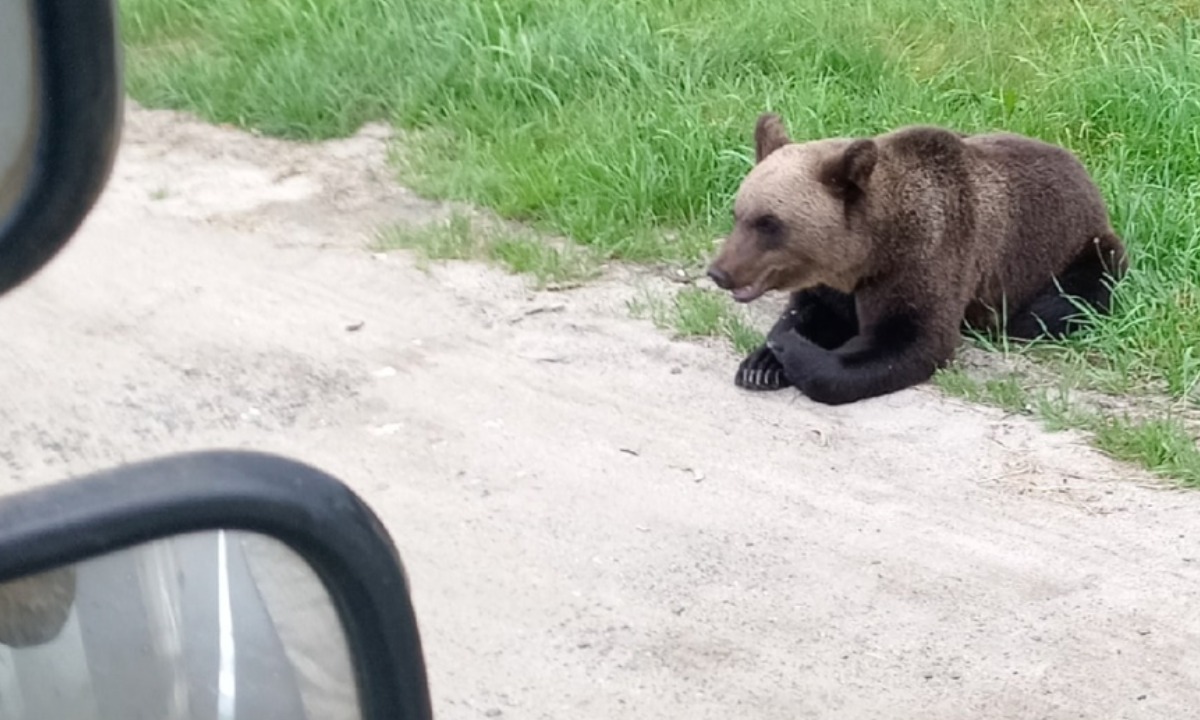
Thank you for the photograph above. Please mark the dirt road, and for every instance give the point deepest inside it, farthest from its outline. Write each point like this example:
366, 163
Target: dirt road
597, 523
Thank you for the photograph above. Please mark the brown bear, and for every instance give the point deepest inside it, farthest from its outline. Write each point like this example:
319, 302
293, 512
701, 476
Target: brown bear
891, 245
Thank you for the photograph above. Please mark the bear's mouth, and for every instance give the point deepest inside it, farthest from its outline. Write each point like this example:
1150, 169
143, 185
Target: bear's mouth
754, 290
749, 293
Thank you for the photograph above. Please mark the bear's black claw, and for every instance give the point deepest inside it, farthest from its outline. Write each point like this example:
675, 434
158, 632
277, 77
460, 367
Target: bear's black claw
761, 371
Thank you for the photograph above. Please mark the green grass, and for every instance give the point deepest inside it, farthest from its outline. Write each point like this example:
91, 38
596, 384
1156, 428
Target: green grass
458, 238
695, 312
1163, 445
1007, 392
455, 239
626, 125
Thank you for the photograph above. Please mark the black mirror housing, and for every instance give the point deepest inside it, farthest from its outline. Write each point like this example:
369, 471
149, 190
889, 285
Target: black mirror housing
77, 73
313, 513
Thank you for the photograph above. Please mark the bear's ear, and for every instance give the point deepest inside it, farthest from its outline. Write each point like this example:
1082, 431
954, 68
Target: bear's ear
769, 136
848, 173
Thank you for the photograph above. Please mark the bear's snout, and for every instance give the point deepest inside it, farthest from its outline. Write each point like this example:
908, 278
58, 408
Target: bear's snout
720, 278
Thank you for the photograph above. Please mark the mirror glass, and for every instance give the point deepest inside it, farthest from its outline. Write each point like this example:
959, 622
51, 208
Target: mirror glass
18, 102
218, 625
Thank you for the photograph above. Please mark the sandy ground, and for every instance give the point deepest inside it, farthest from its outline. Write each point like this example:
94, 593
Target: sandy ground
597, 523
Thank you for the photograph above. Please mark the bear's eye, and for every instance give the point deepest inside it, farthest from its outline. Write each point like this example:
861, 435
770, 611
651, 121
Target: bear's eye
768, 225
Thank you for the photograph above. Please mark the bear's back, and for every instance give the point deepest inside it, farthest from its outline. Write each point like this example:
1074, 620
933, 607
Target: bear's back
1037, 207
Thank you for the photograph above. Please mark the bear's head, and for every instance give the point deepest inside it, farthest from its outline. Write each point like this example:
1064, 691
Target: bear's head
799, 216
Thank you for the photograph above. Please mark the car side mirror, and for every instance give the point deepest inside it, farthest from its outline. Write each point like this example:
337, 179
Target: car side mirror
60, 120
228, 585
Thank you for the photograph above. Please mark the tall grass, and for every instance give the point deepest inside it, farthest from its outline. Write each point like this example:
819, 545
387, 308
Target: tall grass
626, 124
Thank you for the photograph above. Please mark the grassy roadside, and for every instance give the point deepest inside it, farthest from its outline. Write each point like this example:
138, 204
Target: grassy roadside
1160, 439
625, 125
461, 237
694, 312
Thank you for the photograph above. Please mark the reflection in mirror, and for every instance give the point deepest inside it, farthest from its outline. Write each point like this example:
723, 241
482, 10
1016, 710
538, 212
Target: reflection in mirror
217, 624
18, 103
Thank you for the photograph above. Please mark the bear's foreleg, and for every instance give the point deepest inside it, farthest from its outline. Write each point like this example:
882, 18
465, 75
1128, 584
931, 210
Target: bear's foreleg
897, 353
761, 371
825, 316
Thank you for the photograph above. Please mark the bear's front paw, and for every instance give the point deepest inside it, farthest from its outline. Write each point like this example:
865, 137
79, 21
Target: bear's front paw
761, 371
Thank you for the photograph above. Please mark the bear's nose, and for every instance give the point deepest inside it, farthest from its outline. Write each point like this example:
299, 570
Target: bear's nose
721, 278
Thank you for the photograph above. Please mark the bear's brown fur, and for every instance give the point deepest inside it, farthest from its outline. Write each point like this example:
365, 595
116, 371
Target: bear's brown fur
890, 245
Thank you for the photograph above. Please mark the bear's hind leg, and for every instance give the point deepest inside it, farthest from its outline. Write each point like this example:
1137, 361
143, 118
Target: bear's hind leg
825, 316
1052, 312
